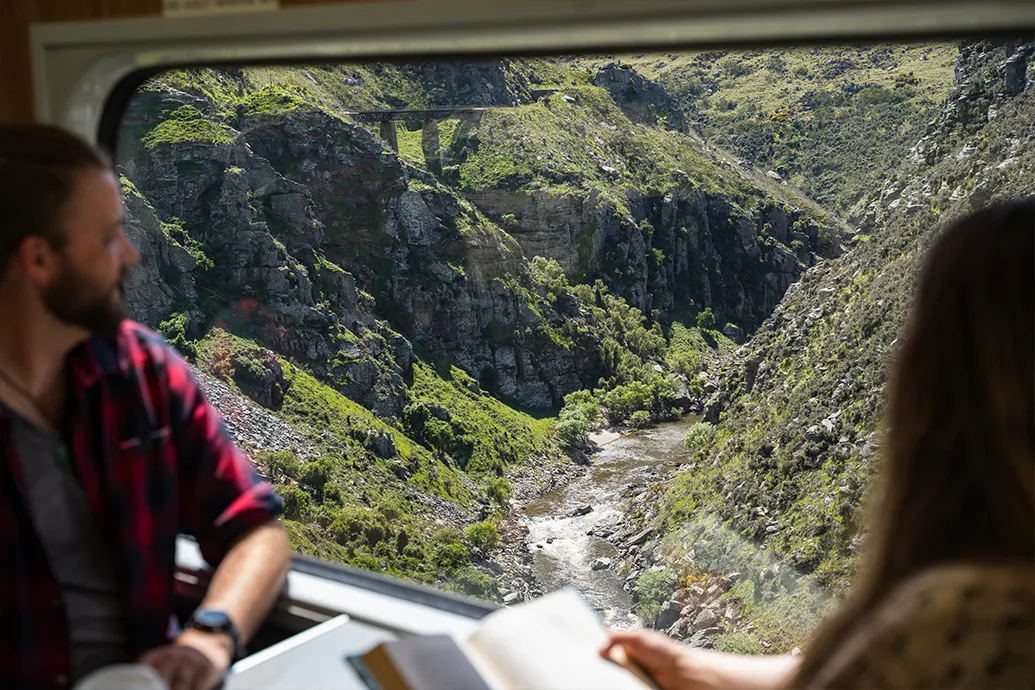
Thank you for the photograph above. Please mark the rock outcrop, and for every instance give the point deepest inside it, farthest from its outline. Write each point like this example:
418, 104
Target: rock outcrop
642, 100
677, 252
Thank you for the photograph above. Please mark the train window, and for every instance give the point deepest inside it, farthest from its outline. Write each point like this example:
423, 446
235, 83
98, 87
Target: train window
506, 324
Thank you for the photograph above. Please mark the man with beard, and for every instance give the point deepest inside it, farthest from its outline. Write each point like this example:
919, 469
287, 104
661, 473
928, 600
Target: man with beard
108, 450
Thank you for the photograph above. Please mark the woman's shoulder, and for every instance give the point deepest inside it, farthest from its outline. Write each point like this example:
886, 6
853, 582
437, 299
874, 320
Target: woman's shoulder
953, 626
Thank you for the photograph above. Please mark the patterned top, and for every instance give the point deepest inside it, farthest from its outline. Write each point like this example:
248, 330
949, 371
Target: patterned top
153, 459
958, 626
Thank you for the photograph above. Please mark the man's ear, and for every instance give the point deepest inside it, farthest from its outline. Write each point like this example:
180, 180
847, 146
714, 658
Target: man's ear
37, 260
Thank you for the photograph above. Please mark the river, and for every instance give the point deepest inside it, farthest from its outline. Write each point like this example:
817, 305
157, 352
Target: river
562, 551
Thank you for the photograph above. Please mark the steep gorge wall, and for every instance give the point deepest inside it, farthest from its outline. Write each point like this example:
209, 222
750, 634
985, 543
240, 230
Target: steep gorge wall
676, 253
799, 413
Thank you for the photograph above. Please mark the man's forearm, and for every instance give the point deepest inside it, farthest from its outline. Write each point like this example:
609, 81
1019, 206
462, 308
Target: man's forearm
248, 581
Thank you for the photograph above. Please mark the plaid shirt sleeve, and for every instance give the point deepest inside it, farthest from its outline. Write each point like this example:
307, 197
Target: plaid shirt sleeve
221, 496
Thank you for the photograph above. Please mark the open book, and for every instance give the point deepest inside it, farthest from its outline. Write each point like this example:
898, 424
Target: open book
551, 643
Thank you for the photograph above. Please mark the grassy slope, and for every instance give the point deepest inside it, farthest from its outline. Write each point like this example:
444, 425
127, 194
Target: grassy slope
558, 145
351, 506
789, 110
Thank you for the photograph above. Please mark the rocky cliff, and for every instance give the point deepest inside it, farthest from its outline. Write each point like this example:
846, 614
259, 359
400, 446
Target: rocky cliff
603, 175
262, 208
670, 254
273, 232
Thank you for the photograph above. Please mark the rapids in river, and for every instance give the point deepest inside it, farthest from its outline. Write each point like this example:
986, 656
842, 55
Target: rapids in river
563, 553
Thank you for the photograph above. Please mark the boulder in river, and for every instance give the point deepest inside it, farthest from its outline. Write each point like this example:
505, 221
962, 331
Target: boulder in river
581, 510
602, 564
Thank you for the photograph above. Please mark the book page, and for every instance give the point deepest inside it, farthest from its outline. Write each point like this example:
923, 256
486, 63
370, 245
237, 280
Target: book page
552, 642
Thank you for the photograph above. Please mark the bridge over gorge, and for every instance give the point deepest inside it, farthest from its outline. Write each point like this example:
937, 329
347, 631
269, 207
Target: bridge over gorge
429, 119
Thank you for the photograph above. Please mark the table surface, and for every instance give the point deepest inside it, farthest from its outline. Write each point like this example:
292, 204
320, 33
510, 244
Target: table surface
314, 659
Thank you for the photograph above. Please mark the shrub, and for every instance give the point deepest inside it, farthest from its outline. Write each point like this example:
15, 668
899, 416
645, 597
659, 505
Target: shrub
357, 526
439, 434
579, 415
174, 329
477, 584
483, 536
640, 419
571, 432
652, 590
296, 502
499, 491
332, 494
706, 320
447, 551
699, 436
282, 465
314, 475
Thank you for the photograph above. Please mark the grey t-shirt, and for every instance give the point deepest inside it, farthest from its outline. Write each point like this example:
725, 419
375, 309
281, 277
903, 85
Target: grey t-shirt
79, 558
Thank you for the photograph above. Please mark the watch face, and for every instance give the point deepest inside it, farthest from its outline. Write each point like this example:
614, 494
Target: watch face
216, 620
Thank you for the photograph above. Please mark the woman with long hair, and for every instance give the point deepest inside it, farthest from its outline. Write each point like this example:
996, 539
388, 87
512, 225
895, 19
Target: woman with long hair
945, 595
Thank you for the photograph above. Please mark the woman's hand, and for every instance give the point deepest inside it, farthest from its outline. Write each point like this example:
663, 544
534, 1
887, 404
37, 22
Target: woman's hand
676, 666
673, 666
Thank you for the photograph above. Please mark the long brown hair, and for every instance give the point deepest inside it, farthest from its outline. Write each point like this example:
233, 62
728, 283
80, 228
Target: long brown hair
958, 479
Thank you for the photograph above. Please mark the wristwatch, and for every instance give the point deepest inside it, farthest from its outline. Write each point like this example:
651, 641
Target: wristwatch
214, 621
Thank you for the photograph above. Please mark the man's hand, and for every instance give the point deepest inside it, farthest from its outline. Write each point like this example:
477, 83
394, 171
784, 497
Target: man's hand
195, 661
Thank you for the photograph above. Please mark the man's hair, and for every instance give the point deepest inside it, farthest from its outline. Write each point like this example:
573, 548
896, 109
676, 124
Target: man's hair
38, 168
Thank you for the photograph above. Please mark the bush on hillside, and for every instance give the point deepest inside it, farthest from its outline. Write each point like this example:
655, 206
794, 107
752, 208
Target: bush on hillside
483, 536
499, 491
652, 590
282, 465
699, 436
706, 320
174, 330
296, 502
475, 583
447, 550
572, 431
739, 642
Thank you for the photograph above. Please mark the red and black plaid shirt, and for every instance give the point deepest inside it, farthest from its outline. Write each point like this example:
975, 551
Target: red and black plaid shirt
154, 460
